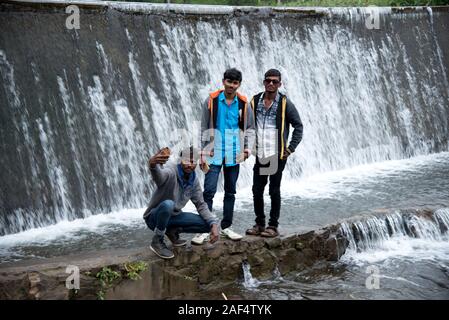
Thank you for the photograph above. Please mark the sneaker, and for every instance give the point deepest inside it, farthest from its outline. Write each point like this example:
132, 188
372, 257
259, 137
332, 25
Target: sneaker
228, 232
173, 236
199, 238
159, 247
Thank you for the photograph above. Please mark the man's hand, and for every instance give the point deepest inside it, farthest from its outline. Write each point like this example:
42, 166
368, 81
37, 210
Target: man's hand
159, 157
206, 153
243, 156
209, 153
247, 153
213, 233
287, 153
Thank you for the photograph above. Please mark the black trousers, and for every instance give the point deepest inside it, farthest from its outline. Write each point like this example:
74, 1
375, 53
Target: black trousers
264, 169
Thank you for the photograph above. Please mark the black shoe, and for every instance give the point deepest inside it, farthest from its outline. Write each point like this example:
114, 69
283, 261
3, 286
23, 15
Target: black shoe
159, 247
173, 236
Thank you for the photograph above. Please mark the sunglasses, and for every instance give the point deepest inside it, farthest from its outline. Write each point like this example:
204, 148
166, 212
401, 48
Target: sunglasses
268, 81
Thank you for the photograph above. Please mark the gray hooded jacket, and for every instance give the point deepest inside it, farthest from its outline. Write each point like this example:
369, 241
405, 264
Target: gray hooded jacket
169, 188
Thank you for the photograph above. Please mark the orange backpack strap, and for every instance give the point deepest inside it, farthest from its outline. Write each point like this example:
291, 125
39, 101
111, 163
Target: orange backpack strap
210, 106
242, 97
213, 95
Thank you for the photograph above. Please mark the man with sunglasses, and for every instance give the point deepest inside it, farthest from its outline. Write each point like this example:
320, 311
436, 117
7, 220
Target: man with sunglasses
226, 126
275, 113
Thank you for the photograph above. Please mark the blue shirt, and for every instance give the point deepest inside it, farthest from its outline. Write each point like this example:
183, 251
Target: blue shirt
227, 133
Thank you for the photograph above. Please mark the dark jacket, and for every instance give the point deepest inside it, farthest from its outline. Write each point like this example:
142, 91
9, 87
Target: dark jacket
286, 115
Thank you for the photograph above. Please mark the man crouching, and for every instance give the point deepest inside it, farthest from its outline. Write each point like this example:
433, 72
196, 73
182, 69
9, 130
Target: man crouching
176, 185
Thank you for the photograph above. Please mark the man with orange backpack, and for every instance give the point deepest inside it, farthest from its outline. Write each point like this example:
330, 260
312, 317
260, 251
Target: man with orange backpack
227, 126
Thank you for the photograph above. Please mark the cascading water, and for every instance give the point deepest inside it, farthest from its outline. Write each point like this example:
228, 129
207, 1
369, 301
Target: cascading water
406, 251
249, 281
82, 109
252, 284
373, 232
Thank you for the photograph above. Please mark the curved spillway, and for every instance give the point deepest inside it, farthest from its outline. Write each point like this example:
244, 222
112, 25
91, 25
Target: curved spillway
83, 108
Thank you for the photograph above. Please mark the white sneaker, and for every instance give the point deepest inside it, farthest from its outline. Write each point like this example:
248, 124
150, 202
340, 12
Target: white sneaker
228, 232
199, 238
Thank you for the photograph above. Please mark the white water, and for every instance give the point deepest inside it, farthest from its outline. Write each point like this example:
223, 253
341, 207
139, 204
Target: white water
394, 266
349, 91
252, 283
429, 241
249, 281
331, 185
70, 230
401, 247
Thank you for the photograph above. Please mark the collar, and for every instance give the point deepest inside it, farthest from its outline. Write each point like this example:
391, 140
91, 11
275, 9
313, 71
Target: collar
276, 100
181, 174
222, 98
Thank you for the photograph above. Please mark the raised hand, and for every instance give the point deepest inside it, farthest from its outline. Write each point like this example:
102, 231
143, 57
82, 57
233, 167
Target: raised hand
161, 157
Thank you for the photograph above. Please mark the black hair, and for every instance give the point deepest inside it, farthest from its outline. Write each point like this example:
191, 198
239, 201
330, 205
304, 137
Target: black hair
273, 73
233, 74
191, 151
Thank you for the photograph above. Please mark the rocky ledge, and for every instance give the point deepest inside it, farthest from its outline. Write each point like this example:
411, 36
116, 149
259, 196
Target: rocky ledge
196, 271
139, 274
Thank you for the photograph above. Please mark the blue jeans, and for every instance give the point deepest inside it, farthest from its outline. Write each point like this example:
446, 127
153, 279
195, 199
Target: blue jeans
231, 175
162, 218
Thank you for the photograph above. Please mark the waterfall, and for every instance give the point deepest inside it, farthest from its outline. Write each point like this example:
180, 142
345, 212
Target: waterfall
81, 112
371, 233
249, 282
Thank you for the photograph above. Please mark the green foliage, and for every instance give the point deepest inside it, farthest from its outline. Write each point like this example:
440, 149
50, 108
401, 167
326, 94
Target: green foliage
134, 268
106, 276
100, 295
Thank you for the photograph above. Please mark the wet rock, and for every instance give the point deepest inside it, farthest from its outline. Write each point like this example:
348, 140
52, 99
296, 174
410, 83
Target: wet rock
186, 256
209, 268
335, 247
193, 270
14, 287
43, 287
262, 263
232, 266
234, 247
253, 243
299, 245
289, 241
273, 243
288, 260
215, 251
309, 256
428, 214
